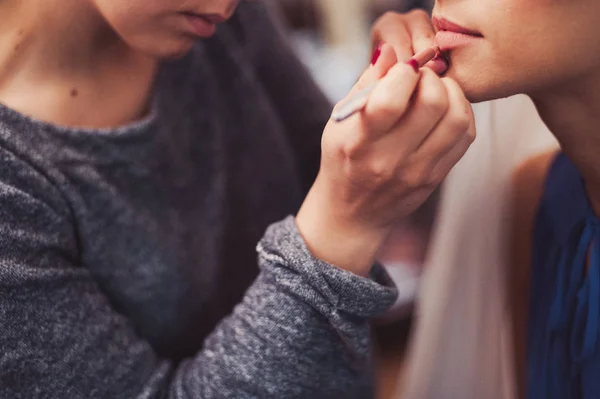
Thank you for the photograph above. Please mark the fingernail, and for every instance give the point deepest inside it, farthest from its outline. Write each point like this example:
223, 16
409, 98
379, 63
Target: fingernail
376, 55
413, 63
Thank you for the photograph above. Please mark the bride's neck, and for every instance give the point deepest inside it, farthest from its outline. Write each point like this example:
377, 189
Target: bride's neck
572, 113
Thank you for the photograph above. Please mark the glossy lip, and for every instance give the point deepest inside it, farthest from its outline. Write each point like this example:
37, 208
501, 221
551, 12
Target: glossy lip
442, 24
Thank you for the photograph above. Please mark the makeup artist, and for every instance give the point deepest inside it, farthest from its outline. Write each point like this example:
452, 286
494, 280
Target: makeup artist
144, 151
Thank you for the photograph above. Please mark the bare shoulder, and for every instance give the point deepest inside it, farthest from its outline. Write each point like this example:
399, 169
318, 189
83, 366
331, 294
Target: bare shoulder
527, 188
528, 181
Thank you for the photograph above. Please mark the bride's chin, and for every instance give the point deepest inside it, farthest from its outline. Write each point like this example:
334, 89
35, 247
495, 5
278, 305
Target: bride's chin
481, 95
479, 87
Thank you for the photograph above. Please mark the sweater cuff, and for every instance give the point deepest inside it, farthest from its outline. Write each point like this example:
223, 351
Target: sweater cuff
328, 288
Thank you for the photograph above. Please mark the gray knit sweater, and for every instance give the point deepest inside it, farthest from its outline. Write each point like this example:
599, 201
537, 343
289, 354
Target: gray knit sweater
128, 264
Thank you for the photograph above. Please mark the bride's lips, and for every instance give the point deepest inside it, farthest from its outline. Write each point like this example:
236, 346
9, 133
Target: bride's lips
450, 35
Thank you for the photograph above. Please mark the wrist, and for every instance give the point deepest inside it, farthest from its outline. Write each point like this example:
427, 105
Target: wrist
335, 238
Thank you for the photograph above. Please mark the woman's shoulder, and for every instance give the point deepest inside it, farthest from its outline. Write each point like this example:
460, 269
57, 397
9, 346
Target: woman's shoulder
527, 190
528, 181
25, 174
547, 190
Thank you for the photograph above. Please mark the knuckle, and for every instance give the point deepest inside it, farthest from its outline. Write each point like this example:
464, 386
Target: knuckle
434, 101
433, 95
472, 129
390, 16
352, 148
419, 14
471, 136
386, 18
459, 122
386, 107
343, 144
380, 173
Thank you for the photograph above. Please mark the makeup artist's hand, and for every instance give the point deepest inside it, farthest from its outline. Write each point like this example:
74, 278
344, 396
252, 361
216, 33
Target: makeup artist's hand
408, 34
381, 164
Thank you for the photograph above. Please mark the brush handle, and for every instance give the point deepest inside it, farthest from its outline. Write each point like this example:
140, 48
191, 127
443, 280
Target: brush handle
358, 101
354, 104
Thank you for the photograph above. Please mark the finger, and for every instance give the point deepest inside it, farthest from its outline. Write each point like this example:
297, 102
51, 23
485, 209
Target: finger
427, 109
421, 30
387, 59
359, 96
392, 28
451, 138
390, 100
456, 125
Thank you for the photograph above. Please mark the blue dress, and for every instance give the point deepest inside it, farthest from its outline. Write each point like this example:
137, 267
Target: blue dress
563, 355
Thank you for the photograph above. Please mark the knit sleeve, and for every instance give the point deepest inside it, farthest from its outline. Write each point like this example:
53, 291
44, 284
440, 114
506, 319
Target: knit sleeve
301, 329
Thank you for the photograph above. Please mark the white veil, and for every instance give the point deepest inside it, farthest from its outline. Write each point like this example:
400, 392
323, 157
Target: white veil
461, 343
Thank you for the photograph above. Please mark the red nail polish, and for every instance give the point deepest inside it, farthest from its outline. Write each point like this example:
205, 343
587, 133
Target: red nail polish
413, 63
376, 55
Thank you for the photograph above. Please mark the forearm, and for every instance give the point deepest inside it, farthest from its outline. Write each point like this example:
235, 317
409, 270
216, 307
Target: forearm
302, 329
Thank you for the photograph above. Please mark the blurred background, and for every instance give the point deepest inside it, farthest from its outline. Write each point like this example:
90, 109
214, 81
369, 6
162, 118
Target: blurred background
332, 36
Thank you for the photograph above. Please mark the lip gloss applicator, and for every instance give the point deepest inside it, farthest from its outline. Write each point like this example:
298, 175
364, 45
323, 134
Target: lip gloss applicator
359, 100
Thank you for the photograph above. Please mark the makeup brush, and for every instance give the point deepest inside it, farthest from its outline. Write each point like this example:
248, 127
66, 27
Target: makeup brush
358, 101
